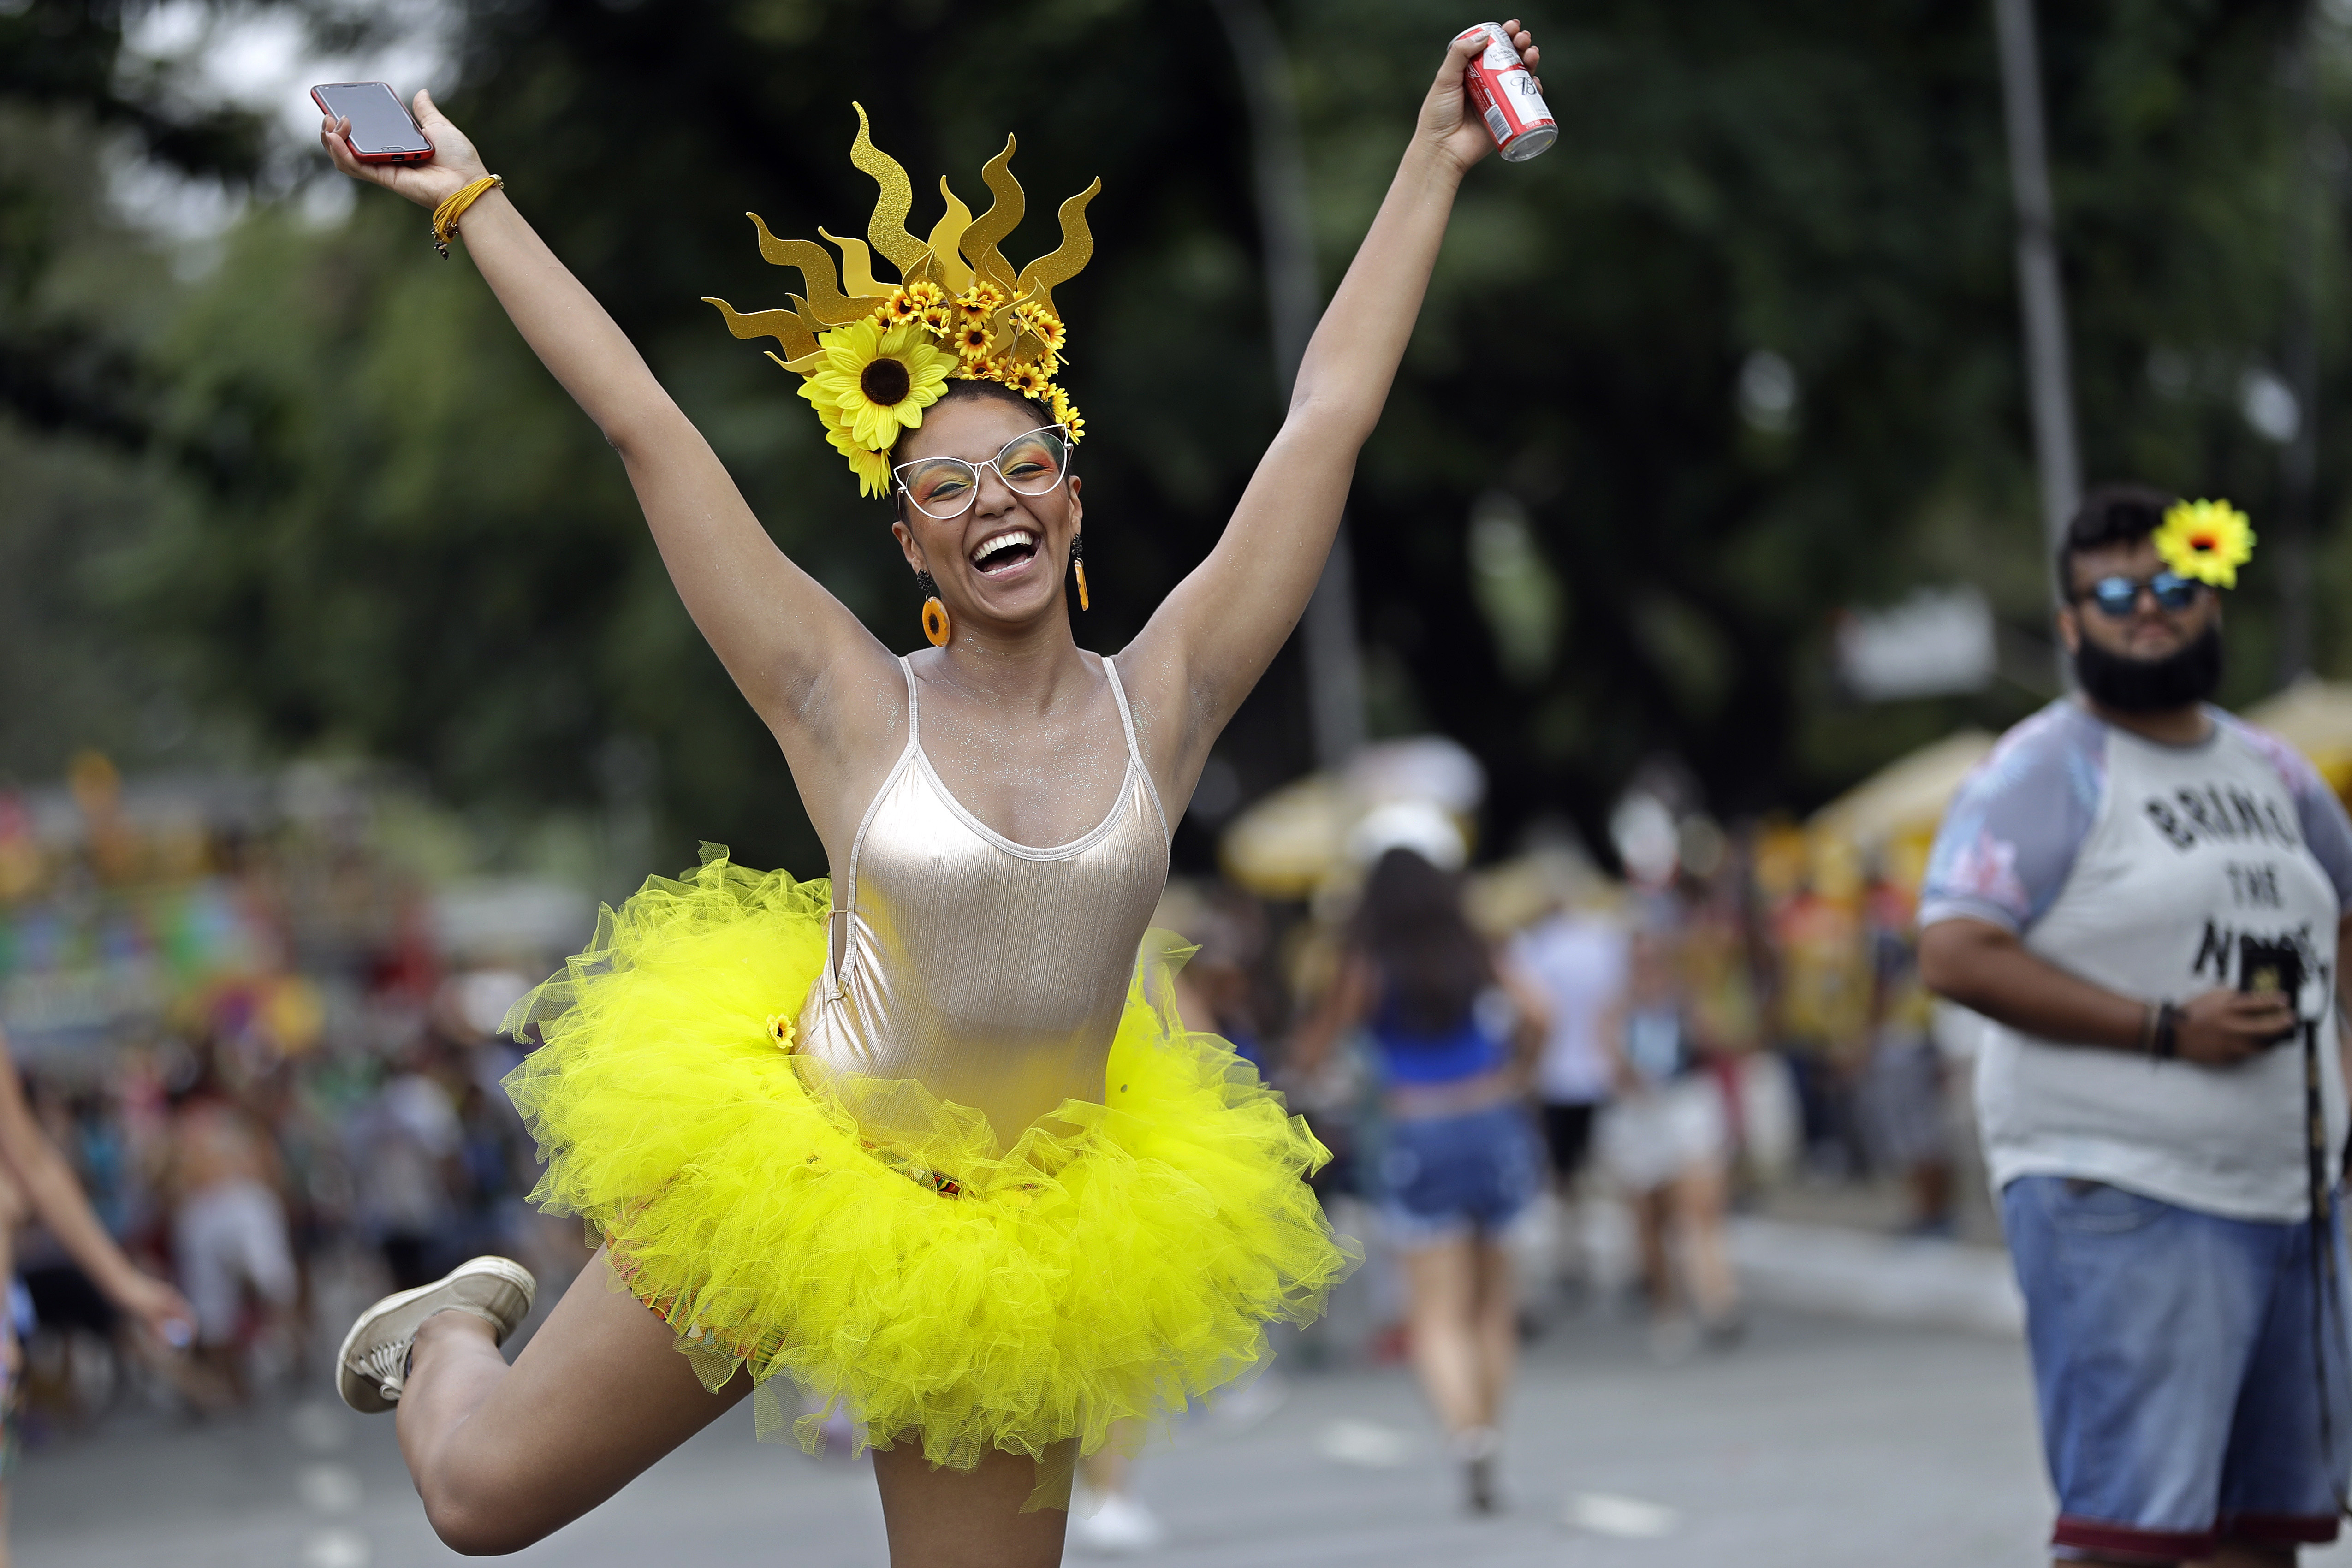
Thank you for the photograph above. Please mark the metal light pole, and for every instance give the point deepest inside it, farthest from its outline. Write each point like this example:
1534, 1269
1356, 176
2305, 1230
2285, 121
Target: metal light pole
1335, 672
2298, 464
2040, 295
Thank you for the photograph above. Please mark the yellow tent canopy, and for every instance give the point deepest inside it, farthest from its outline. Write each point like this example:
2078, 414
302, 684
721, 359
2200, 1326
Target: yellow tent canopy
2314, 716
1908, 797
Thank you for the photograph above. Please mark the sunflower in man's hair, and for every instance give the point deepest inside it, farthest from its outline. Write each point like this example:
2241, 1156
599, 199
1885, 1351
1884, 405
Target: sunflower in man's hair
2205, 540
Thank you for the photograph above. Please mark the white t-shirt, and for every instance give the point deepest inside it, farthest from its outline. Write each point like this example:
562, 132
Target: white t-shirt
1580, 960
2160, 872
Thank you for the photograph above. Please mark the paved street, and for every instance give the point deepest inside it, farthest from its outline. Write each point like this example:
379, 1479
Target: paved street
1878, 1412
1820, 1442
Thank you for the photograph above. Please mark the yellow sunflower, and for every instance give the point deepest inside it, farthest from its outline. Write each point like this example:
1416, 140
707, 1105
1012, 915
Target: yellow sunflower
902, 306
879, 380
923, 294
872, 469
979, 302
1046, 325
1066, 414
1028, 380
971, 339
2206, 540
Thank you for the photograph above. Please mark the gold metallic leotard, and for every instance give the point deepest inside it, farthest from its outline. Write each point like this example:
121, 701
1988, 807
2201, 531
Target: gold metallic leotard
992, 973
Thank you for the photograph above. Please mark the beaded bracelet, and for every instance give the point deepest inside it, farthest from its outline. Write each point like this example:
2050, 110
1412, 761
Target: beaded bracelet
445, 215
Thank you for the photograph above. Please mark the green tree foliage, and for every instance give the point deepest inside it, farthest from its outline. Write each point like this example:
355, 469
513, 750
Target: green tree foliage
83, 297
404, 540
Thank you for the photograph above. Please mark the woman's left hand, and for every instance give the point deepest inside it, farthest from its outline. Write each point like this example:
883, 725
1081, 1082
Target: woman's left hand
1448, 124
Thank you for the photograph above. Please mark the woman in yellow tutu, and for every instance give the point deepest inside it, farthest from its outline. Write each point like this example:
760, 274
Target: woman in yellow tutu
929, 1138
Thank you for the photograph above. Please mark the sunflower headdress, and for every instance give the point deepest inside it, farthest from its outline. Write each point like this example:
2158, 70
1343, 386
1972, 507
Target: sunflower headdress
2206, 540
875, 354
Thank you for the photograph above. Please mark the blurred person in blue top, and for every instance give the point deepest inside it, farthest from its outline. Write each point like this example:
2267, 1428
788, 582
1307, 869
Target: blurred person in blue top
1456, 1029
2147, 897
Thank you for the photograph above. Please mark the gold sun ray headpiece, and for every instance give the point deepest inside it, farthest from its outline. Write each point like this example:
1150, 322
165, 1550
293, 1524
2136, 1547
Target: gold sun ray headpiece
2205, 540
873, 356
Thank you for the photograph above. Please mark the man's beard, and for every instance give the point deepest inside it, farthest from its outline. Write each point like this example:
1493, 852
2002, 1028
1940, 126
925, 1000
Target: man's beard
2129, 685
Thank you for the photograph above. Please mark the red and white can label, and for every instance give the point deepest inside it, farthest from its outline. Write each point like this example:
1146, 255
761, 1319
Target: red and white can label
1502, 92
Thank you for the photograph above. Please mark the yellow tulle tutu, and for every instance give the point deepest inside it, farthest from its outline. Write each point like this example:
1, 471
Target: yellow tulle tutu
1119, 1261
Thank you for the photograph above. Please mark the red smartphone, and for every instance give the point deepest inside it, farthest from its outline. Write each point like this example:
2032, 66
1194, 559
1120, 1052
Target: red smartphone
382, 130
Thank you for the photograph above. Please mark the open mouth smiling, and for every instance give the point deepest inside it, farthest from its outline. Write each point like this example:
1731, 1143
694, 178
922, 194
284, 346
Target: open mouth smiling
1005, 551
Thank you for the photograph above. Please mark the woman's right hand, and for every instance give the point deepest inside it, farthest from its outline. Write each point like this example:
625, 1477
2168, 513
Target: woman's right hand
453, 166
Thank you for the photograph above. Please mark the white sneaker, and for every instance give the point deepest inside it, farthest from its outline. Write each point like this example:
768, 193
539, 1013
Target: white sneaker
372, 1366
1118, 1526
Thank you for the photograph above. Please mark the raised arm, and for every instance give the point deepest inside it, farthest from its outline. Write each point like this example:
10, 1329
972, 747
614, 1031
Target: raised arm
1214, 636
777, 630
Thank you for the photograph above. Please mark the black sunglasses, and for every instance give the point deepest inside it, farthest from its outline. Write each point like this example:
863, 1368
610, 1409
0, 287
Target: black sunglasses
2118, 596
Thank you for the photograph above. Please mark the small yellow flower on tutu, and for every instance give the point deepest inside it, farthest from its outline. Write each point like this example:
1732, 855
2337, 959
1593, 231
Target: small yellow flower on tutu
2206, 540
780, 1029
879, 381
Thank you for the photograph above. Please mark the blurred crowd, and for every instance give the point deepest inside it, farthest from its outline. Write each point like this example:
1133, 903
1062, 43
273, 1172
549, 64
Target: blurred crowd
1734, 1017
240, 1017
252, 1180
279, 1084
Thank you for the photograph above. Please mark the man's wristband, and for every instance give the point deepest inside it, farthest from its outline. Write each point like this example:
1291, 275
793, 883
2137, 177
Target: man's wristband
2163, 1032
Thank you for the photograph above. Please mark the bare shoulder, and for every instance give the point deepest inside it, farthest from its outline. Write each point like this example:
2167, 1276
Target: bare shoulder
843, 734
1168, 720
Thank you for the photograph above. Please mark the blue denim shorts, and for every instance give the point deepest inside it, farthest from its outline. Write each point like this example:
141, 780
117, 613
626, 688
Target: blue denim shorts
1446, 1176
2173, 1362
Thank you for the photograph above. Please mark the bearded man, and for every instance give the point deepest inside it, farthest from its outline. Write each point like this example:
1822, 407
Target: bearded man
2147, 897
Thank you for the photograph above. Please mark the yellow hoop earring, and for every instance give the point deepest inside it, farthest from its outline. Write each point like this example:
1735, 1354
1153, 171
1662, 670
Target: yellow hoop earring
936, 624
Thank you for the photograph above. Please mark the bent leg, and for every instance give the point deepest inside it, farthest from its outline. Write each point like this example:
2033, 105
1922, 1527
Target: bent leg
504, 1456
965, 1518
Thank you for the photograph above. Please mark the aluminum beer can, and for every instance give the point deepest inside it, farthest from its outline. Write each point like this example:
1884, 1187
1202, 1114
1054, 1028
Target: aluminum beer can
1503, 90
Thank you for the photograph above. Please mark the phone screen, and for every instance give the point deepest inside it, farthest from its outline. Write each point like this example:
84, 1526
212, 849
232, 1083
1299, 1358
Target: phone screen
380, 123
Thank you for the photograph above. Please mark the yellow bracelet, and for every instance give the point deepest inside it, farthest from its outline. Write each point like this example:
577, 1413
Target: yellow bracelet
445, 215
